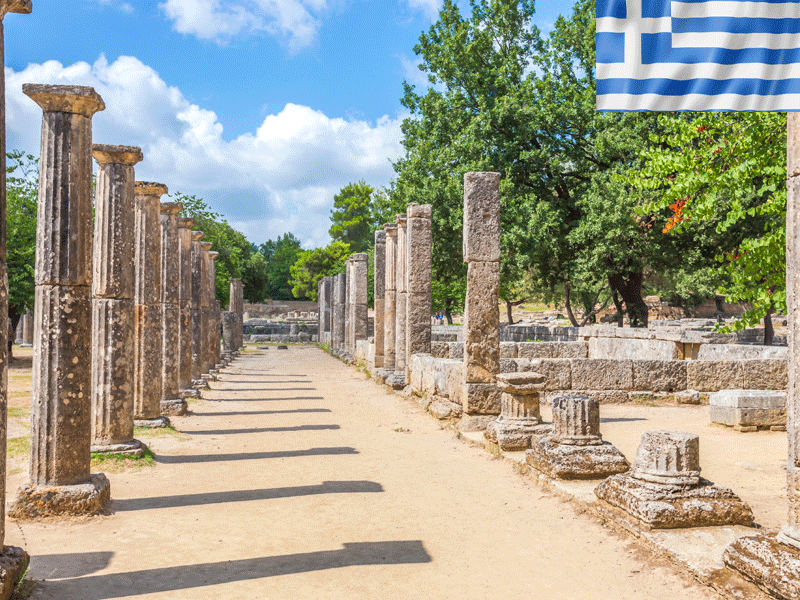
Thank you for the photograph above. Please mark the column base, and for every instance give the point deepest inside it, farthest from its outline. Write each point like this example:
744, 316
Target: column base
156, 423
772, 566
475, 422
514, 435
200, 384
190, 393
132, 448
174, 407
396, 381
567, 461
13, 565
219, 366
34, 502
656, 506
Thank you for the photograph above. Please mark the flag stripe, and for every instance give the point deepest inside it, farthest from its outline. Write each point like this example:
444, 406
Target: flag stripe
697, 103
744, 25
680, 71
707, 87
732, 8
612, 8
610, 47
658, 48
737, 41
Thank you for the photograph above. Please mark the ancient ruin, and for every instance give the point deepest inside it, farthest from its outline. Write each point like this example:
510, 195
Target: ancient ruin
172, 403
520, 421
185, 225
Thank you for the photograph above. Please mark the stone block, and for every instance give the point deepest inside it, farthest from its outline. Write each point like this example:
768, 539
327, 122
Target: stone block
482, 323
440, 349
772, 566
569, 349
441, 368
508, 350
455, 381
481, 217
643, 349
602, 396
564, 461
740, 352
456, 349
748, 408
601, 374
534, 350
767, 374
712, 375
90, 498
557, 372
481, 398
659, 375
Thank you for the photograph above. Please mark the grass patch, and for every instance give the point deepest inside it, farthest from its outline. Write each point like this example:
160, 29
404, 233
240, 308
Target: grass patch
644, 401
19, 447
24, 588
169, 430
17, 412
120, 462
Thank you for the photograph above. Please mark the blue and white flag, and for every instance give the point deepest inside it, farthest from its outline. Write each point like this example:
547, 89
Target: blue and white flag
698, 55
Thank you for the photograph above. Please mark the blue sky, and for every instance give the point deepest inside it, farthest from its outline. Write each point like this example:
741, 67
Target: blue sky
264, 108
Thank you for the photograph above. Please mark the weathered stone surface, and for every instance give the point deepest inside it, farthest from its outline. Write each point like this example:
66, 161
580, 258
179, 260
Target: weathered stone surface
68, 99
748, 408
552, 349
772, 566
576, 420
740, 352
156, 423
557, 372
185, 225
512, 436
660, 375
602, 396
565, 461
666, 507
712, 375
456, 349
482, 323
147, 242
768, 374
131, 448
519, 421
443, 408
481, 217
600, 374
419, 249
508, 350
339, 316
481, 398
634, 349
440, 349
61, 406
401, 296
23, 7
147, 361
90, 498
390, 297
13, 565
669, 458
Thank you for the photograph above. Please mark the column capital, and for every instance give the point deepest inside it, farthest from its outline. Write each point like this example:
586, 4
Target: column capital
197, 236
186, 222
171, 208
391, 230
119, 155
206, 246
76, 99
360, 257
400, 220
149, 188
380, 236
22, 7
213, 255
419, 211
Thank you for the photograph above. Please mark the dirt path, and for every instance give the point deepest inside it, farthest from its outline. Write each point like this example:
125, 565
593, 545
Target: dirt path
298, 477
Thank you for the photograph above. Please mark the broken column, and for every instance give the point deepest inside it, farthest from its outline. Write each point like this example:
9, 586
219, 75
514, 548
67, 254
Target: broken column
348, 309
229, 321
390, 298
60, 479
338, 327
519, 422
213, 326
419, 265
400, 303
379, 294
237, 306
148, 319
112, 302
185, 225
172, 403
576, 449
772, 560
27, 329
217, 347
197, 316
324, 316
664, 490
205, 311
359, 297
481, 397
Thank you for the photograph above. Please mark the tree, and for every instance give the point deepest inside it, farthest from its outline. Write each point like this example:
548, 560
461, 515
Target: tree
255, 277
287, 251
22, 186
313, 265
353, 217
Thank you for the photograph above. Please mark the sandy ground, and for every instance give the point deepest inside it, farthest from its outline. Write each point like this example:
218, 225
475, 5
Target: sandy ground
298, 477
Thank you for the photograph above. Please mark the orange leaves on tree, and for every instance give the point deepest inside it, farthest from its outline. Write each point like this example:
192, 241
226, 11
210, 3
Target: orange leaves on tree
677, 213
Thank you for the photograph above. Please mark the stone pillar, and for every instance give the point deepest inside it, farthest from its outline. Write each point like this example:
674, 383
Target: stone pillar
390, 297
185, 225
27, 328
360, 297
112, 302
481, 397
205, 310
197, 318
773, 562
519, 422
576, 450
349, 337
419, 274
218, 334
172, 403
60, 480
18, 330
229, 321
213, 325
339, 318
147, 389
401, 306
237, 306
379, 294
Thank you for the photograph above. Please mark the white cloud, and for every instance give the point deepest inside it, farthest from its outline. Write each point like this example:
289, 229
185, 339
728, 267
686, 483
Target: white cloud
295, 22
429, 7
124, 7
412, 74
280, 177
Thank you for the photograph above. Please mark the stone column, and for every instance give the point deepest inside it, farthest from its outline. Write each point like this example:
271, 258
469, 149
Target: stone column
390, 298
481, 397
185, 225
228, 330
172, 403
348, 307
18, 331
237, 306
360, 297
401, 297
773, 562
147, 389
61, 422
197, 318
218, 334
339, 318
379, 294
519, 422
205, 310
213, 326
112, 302
27, 329
419, 274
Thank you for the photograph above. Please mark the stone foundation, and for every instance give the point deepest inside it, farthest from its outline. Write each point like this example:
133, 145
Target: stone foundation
174, 408
33, 502
156, 423
511, 436
132, 448
13, 566
772, 566
748, 410
564, 461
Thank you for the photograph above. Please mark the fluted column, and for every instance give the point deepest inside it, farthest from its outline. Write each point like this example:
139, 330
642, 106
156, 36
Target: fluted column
390, 298
419, 257
185, 225
236, 306
61, 396
379, 294
147, 295
401, 295
197, 319
27, 329
171, 401
112, 302
205, 309
360, 297
213, 325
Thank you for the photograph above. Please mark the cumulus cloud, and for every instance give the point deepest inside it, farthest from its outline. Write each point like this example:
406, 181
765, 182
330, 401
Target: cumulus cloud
124, 7
280, 177
296, 22
428, 7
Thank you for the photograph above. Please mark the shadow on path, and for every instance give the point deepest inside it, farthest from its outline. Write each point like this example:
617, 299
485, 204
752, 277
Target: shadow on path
263, 412
264, 399
621, 419
264, 429
327, 487
183, 577
63, 566
270, 389
200, 458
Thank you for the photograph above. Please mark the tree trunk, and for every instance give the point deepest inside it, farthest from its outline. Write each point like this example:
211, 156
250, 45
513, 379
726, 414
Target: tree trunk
630, 288
568, 304
618, 306
769, 331
508, 311
448, 305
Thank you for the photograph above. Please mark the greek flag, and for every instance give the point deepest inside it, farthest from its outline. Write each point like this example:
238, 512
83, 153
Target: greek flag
698, 55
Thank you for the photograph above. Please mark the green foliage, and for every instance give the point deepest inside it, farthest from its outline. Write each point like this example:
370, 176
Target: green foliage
312, 265
255, 277
727, 172
22, 172
357, 211
284, 253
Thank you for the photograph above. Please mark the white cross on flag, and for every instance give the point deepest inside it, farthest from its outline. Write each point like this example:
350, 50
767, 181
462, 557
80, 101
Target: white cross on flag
698, 55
